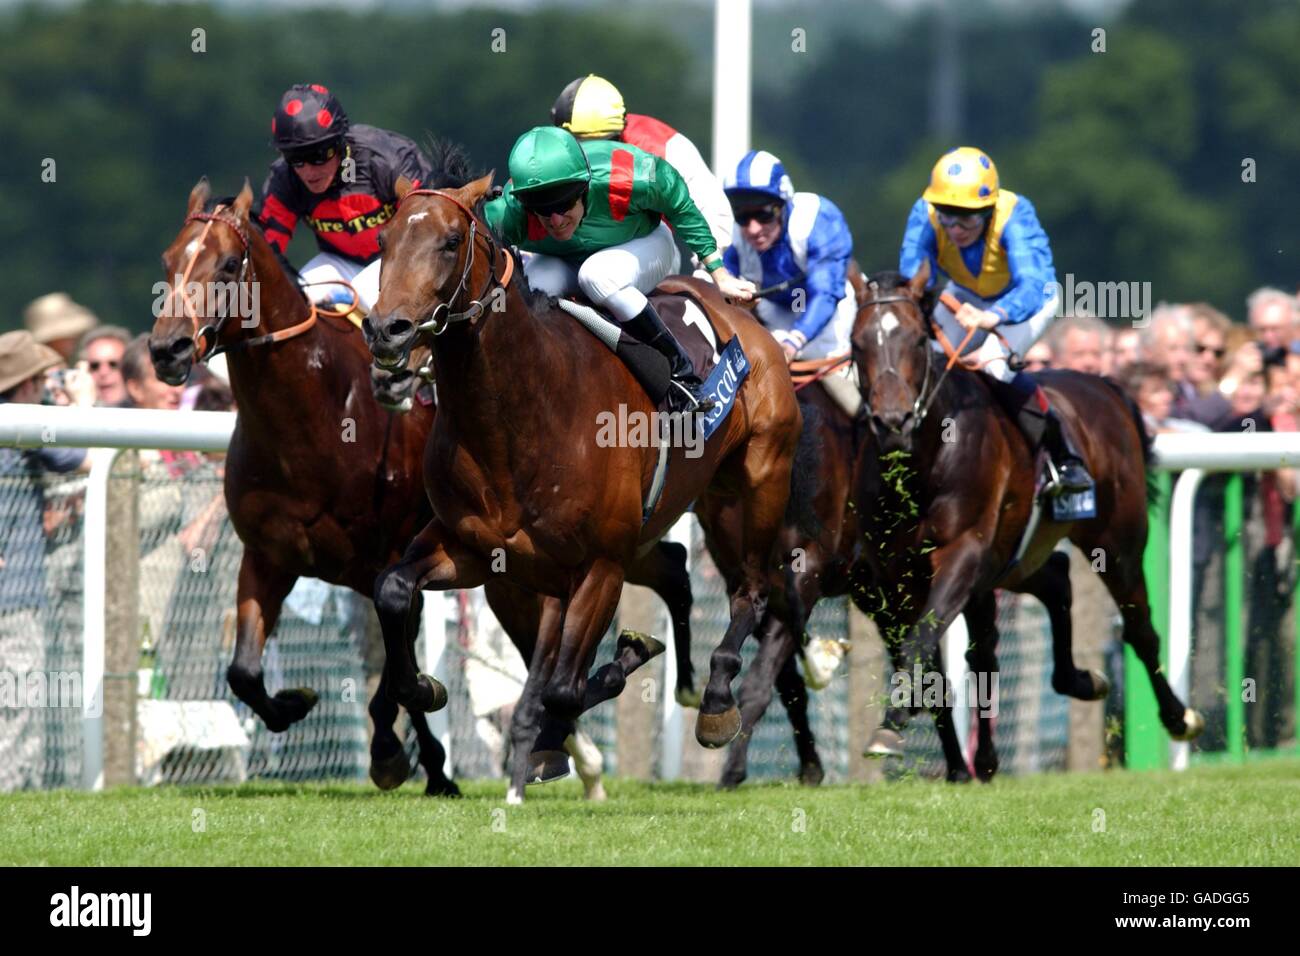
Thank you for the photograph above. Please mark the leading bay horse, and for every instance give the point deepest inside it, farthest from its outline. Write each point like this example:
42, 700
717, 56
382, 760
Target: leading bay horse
321, 481
944, 486
522, 486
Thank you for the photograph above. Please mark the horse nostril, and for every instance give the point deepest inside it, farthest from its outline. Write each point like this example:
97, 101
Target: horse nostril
182, 348
399, 329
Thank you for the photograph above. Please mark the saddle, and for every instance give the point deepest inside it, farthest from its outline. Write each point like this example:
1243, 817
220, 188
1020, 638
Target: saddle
685, 320
723, 370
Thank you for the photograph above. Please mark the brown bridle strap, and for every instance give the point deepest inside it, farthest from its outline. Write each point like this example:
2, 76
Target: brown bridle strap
476, 305
205, 347
953, 305
807, 371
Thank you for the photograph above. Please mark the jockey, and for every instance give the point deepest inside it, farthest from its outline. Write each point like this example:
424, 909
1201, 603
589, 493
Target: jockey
591, 107
339, 178
989, 244
593, 215
799, 246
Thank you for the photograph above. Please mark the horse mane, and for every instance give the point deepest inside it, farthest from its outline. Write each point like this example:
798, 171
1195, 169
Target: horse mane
290, 272
891, 280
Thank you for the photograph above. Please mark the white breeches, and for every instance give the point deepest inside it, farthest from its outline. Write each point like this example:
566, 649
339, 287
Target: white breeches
989, 348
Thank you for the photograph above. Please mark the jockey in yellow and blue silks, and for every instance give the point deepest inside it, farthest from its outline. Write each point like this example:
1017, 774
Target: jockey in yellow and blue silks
988, 244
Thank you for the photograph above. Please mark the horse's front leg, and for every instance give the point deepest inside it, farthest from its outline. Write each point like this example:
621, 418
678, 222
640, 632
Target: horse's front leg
434, 560
261, 593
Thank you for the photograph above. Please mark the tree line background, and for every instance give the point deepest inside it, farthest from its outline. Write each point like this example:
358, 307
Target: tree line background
1134, 157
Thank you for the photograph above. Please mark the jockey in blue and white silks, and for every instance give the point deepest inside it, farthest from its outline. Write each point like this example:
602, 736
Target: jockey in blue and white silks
799, 246
987, 242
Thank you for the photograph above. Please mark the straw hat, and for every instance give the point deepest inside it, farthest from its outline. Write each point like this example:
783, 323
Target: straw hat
21, 357
56, 316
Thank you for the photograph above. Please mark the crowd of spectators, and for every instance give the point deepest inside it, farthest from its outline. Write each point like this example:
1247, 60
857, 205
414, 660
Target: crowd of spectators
1192, 369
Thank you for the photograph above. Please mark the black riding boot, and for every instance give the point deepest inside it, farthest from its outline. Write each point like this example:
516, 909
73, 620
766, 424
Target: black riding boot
1041, 425
684, 390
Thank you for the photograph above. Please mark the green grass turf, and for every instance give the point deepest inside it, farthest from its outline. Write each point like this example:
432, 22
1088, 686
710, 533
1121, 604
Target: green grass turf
1209, 815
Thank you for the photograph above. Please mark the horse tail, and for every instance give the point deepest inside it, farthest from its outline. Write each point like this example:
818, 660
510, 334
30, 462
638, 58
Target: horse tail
800, 509
1148, 443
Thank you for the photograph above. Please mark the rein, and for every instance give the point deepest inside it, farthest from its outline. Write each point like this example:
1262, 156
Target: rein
807, 371
442, 316
205, 337
926, 396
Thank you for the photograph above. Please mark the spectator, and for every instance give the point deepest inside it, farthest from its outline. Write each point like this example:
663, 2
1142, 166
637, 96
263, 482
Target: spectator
55, 320
1167, 341
1152, 389
1038, 357
1125, 349
23, 364
1272, 317
1078, 343
101, 350
1210, 329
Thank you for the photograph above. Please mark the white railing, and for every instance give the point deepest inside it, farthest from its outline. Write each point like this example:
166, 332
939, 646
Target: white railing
1195, 455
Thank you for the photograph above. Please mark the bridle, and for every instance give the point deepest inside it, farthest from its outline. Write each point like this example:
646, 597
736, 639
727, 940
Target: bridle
442, 316
206, 337
921, 405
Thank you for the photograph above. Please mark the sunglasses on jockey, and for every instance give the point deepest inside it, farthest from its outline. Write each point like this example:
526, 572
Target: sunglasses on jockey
552, 201
762, 215
313, 155
956, 216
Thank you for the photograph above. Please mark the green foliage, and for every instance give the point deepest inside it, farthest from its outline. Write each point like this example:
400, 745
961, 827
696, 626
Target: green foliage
1133, 157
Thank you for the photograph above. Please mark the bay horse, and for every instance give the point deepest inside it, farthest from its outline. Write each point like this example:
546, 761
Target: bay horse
944, 485
334, 492
520, 484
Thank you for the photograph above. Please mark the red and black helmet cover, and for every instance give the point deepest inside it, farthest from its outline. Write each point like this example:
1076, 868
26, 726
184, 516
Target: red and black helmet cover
308, 114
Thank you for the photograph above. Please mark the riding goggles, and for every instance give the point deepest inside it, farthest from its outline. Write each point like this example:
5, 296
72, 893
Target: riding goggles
763, 216
963, 217
312, 156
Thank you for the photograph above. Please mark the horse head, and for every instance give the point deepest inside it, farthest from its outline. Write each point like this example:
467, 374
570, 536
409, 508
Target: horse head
210, 279
437, 255
891, 348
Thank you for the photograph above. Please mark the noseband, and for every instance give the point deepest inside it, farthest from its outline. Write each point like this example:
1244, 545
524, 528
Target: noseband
921, 406
443, 316
205, 338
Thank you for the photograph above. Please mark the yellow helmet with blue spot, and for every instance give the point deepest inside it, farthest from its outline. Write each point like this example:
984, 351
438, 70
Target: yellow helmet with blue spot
965, 178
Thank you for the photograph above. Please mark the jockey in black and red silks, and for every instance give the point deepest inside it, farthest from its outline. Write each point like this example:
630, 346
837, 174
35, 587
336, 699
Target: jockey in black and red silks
340, 180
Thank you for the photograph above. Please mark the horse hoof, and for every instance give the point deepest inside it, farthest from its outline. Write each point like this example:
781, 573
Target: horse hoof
1194, 722
729, 784
821, 659
688, 697
389, 773
811, 775
513, 797
547, 766
647, 646
1100, 685
959, 775
985, 772
442, 788
430, 695
884, 743
596, 793
293, 705
718, 730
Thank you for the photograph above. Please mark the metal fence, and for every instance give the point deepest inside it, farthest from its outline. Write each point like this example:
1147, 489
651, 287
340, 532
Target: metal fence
190, 728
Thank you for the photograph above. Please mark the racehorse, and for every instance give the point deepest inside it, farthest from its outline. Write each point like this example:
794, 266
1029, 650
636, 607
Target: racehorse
520, 484
944, 487
818, 552
336, 493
